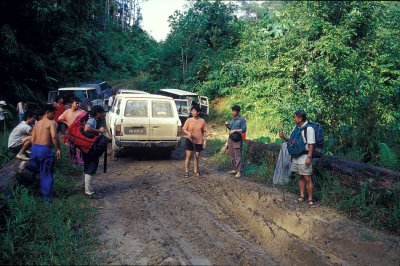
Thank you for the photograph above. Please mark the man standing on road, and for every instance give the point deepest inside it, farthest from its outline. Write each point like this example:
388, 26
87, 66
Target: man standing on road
42, 156
237, 130
19, 140
91, 160
302, 164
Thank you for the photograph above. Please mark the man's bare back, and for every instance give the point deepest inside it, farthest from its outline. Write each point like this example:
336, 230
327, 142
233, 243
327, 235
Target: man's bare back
45, 132
69, 116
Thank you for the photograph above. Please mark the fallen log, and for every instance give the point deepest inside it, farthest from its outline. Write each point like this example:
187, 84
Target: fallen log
12, 173
350, 173
354, 173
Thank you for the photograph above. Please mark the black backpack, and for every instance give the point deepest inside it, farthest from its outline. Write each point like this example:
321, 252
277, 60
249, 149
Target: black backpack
319, 139
235, 136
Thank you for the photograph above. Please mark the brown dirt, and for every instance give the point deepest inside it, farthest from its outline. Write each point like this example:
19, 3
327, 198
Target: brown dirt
150, 214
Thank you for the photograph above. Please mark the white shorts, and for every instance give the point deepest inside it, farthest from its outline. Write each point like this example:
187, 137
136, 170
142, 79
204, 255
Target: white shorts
301, 168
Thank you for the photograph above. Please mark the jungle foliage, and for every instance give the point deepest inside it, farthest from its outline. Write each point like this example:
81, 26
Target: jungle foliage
339, 61
46, 44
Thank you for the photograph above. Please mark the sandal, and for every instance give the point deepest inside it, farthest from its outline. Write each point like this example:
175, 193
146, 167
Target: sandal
311, 204
186, 174
197, 174
299, 200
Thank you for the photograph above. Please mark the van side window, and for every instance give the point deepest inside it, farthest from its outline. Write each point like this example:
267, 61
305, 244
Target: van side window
118, 107
135, 108
162, 109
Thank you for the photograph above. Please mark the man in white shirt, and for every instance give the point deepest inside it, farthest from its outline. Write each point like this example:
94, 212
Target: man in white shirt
302, 164
19, 140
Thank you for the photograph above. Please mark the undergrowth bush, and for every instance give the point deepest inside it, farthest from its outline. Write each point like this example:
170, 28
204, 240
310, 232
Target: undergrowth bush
35, 232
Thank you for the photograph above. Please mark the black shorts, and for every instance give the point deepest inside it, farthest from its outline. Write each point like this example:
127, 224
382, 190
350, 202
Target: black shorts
90, 163
189, 146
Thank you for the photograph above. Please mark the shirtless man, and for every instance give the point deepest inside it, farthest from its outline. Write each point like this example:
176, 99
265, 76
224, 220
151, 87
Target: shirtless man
42, 156
68, 117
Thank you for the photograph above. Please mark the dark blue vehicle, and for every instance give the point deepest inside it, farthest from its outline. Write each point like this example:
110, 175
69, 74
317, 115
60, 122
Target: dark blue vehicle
104, 91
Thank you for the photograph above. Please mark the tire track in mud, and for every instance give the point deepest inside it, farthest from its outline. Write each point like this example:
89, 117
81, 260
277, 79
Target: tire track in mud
149, 214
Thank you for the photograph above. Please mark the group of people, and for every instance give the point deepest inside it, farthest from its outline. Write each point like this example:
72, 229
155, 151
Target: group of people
195, 129
32, 140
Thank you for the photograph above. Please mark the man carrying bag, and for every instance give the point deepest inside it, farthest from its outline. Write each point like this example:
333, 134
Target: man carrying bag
237, 132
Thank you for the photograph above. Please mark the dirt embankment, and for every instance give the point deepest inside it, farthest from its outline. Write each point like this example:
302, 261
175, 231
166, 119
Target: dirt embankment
150, 214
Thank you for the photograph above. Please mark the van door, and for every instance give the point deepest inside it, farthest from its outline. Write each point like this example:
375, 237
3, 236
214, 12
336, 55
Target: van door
135, 120
163, 120
51, 96
205, 109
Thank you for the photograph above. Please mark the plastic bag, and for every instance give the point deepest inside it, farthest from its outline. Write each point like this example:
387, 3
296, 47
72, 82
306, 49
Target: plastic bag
283, 166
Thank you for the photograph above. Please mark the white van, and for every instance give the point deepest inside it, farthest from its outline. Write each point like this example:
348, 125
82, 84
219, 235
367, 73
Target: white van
184, 101
87, 95
143, 121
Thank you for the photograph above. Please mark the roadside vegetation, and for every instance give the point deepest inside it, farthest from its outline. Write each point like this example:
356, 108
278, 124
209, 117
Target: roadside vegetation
34, 232
337, 60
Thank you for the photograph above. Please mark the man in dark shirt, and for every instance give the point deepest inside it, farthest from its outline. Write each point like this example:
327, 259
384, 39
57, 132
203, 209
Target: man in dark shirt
91, 160
236, 126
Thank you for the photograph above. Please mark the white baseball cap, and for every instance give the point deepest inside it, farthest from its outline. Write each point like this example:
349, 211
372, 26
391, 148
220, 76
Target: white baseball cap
3, 103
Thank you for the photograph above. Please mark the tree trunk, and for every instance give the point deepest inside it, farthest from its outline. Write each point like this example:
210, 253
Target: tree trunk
350, 173
115, 10
13, 173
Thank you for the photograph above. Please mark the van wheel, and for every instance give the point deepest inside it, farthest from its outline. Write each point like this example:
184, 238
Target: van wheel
116, 151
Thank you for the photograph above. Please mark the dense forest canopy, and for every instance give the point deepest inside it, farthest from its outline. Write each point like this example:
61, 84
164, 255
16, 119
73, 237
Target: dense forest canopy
338, 60
45, 44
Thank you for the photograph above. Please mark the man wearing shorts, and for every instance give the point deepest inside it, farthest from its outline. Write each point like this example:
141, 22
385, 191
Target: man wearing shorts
302, 164
19, 140
195, 129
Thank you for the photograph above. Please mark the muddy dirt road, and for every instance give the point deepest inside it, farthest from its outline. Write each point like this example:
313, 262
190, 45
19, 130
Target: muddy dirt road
150, 214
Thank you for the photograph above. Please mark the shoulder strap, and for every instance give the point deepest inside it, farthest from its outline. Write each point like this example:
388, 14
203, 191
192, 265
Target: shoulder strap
305, 131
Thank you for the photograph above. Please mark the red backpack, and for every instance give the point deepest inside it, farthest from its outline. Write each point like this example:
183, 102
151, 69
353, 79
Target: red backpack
78, 137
